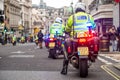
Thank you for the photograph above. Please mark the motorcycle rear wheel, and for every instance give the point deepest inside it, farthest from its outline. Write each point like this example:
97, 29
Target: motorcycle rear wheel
83, 68
53, 54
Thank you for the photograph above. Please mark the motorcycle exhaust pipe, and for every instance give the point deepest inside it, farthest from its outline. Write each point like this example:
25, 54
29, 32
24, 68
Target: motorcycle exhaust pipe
74, 60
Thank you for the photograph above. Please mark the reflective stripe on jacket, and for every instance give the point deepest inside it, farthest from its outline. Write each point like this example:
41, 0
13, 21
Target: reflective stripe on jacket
81, 22
57, 29
14, 38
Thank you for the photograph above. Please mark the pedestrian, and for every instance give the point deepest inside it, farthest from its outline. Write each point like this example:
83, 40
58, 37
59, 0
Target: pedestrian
40, 39
113, 38
36, 40
118, 33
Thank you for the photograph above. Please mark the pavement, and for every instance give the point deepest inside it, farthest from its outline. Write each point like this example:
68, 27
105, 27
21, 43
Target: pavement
114, 56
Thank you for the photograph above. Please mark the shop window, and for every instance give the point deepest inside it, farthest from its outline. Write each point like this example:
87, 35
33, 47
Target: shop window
106, 1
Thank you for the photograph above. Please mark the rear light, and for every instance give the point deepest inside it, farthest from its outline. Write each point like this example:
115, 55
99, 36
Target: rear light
52, 39
69, 49
82, 40
90, 35
95, 48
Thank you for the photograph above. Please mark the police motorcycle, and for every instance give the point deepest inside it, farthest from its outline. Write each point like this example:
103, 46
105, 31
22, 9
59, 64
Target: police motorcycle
55, 46
36, 41
82, 50
14, 42
46, 40
22, 40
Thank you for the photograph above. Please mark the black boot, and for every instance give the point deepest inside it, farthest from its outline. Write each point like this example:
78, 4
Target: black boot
65, 67
64, 72
49, 56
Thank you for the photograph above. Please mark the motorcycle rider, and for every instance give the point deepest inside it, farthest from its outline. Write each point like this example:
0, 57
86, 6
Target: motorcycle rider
14, 39
40, 38
36, 39
57, 28
22, 39
81, 21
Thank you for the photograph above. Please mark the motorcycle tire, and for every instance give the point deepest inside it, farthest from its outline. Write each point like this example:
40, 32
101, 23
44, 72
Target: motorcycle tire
40, 45
53, 54
83, 68
14, 44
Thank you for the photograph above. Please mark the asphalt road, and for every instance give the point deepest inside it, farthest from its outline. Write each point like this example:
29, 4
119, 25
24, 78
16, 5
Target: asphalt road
27, 62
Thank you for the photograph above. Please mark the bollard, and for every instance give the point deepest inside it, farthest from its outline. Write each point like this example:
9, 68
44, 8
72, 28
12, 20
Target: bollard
104, 44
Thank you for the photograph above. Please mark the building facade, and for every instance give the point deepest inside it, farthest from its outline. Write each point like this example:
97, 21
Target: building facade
1, 6
42, 5
26, 16
102, 11
47, 15
105, 12
1, 11
12, 14
39, 17
1, 16
116, 14
37, 20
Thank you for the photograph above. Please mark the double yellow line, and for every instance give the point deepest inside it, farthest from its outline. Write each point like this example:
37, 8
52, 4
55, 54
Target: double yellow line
114, 75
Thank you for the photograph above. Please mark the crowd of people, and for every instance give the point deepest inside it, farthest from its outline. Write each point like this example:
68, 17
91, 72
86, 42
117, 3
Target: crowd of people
8, 39
114, 37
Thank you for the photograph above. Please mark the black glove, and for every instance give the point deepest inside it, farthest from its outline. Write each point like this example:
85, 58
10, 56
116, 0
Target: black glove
68, 33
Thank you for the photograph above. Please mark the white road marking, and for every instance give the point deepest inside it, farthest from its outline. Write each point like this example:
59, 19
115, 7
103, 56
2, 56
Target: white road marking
29, 49
104, 61
34, 75
21, 56
72, 66
26, 44
110, 58
18, 52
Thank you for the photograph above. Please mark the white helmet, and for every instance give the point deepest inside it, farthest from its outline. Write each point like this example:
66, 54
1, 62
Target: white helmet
81, 6
59, 20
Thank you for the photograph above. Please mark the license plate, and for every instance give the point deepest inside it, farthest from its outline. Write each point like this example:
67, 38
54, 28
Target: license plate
52, 44
83, 51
